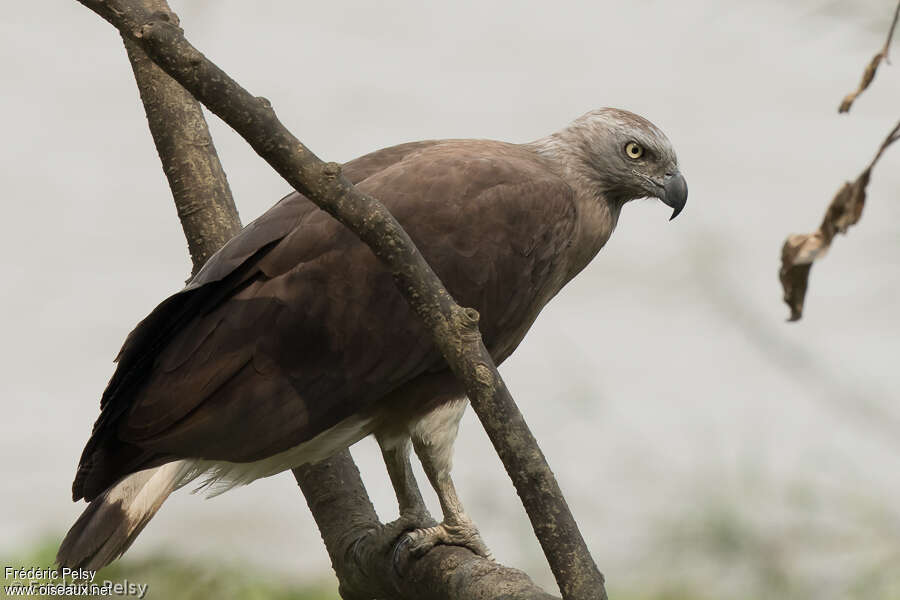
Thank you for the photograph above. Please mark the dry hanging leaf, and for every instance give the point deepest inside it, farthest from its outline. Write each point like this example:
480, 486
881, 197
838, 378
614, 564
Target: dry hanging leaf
801, 250
872, 68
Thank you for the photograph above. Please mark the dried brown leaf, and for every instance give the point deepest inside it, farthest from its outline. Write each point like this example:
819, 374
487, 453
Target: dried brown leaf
846, 207
800, 251
872, 67
868, 76
794, 279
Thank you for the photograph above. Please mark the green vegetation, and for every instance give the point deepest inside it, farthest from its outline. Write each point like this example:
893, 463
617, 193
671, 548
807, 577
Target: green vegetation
711, 553
168, 578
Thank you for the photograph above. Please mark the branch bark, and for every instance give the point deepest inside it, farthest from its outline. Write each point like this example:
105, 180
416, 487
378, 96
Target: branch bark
362, 550
202, 196
454, 329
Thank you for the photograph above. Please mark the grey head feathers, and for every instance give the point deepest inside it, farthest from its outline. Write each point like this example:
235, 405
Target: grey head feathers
619, 156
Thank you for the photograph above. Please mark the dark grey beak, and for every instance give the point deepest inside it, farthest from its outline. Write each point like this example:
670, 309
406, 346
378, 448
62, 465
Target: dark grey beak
675, 194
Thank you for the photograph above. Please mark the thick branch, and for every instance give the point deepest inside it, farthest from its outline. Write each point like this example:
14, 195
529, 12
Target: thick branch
454, 329
202, 196
362, 550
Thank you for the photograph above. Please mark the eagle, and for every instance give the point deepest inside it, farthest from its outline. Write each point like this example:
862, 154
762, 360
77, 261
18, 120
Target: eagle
293, 342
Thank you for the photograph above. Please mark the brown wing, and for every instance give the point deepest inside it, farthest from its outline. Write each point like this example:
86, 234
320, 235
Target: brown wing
106, 457
295, 325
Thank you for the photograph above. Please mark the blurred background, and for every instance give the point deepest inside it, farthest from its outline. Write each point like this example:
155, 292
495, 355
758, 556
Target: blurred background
708, 448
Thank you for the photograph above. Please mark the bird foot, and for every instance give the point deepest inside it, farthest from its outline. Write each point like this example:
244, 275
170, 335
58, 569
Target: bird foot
411, 520
369, 542
459, 532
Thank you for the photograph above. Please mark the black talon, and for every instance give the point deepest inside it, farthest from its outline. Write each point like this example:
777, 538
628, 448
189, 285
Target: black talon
355, 550
397, 552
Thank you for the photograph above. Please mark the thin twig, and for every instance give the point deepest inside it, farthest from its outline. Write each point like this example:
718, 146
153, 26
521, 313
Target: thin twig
887, 42
892, 137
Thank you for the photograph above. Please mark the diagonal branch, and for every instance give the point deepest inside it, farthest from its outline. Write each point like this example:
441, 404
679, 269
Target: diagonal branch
454, 329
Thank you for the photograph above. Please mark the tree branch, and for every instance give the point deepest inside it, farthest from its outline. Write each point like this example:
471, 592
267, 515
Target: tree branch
362, 550
189, 159
454, 329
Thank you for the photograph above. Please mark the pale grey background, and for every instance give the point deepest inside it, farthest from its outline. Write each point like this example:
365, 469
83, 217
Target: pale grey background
684, 418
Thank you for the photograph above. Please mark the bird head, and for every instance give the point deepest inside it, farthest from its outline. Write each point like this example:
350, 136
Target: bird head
624, 157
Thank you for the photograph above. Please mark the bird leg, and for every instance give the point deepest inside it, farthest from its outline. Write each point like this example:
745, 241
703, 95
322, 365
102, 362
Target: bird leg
432, 439
414, 515
396, 458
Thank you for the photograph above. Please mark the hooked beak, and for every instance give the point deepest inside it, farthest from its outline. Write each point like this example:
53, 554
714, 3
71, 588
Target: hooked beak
674, 192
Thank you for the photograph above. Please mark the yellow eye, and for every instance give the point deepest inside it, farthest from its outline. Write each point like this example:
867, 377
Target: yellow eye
634, 150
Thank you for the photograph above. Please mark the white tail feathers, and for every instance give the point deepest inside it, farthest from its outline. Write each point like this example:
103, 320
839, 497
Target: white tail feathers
113, 520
